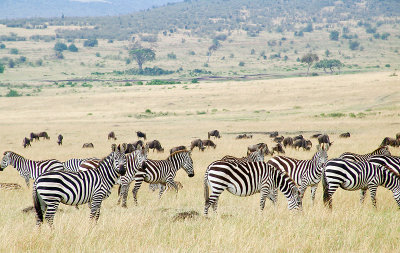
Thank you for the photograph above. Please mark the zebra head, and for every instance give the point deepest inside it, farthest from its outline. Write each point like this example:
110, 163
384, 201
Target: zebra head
187, 163
295, 200
140, 156
321, 156
6, 160
119, 159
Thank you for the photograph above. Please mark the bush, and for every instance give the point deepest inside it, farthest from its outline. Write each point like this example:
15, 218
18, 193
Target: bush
90, 43
59, 47
59, 55
1, 68
192, 52
13, 93
334, 35
354, 45
387, 66
241, 64
253, 51
171, 56
39, 62
11, 63
370, 30
155, 71
22, 59
161, 82
128, 84
194, 80
13, 51
72, 48
2, 46
384, 36
98, 54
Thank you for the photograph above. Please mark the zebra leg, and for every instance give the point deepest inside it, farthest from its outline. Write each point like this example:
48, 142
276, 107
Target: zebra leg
162, 189
372, 191
264, 192
329, 190
171, 182
213, 199
362, 195
138, 183
95, 209
123, 194
51, 212
27, 181
313, 190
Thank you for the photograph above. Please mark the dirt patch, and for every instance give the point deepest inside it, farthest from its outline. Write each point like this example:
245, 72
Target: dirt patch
9, 186
185, 215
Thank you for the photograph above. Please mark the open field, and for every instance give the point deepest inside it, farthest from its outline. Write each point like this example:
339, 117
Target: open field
367, 105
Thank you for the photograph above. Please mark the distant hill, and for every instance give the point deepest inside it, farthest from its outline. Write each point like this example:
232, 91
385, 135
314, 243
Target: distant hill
73, 8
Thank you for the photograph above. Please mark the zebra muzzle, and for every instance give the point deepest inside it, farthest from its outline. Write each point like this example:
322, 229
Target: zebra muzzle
122, 170
191, 175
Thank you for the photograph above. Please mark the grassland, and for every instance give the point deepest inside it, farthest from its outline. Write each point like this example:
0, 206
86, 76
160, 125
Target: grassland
179, 114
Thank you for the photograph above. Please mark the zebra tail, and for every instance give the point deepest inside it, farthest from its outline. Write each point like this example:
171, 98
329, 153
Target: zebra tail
119, 189
206, 190
325, 189
37, 204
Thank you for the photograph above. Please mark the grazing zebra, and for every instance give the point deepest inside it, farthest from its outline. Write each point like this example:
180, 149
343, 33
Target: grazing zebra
362, 176
163, 171
74, 164
29, 168
303, 172
256, 156
245, 179
362, 158
93, 186
134, 162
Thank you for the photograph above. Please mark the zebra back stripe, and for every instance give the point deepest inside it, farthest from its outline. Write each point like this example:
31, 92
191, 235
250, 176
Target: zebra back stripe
363, 158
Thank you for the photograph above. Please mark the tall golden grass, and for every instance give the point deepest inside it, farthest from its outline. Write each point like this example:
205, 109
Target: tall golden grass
289, 106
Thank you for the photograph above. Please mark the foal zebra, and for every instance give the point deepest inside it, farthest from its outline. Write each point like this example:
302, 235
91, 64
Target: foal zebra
358, 176
134, 162
256, 156
245, 179
29, 168
71, 188
304, 172
163, 171
362, 158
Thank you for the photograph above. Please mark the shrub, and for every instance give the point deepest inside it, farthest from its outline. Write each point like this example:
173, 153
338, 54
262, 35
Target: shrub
252, 51
128, 84
384, 36
1, 68
59, 47
334, 35
192, 52
241, 64
59, 55
171, 56
354, 45
39, 62
194, 80
22, 59
161, 82
98, 54
2, 46
13, 93
90, 43
387, 65
13, 51
11, 63
72, 48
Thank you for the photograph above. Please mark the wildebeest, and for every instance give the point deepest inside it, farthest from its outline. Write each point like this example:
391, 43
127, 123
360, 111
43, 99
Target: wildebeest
315, 135
60, 139
141, 135
26, 142
302, 143
390, 141
154, 145
279, 139
209, 143
174, 149
323, 140
111, 135
344, 135
44, 135
273, 134
34, 136
88, 145
288, 141
214, 133
255, 147
298, 137
398, 136
244, 136
138, 143
197, 143
278, 149
128, 147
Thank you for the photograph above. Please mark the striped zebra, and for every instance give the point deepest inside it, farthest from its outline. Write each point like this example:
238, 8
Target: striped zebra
362, 176
256, 156
245, 179
303, 172
29, 168
362, 158
92, 186
134, 162
392, 162
163, 171
74, 164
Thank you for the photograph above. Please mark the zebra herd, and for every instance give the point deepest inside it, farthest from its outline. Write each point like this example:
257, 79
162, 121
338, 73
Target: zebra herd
80, 181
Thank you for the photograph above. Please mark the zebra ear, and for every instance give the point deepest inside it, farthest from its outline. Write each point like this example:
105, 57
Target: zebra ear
113, 147
122, 148
318, 147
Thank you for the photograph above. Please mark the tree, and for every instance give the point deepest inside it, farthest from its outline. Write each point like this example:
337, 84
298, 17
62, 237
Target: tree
353, 45
73, 48
142, 55
309, 58
1, 68
334, 35
59, 47
329, 64
90, 43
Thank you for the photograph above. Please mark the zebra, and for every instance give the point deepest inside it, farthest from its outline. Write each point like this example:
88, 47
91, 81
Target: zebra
74, 164
134, 162
245, 179
362, 176
392, 162
92, 186
362, 158
303, 172
163, 171
256, 156
29, 168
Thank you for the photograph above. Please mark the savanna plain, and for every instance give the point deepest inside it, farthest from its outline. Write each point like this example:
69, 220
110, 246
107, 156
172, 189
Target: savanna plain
367, 105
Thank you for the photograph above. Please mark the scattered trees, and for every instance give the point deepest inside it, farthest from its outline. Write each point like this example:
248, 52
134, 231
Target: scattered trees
90, 43
142, 55
309, 58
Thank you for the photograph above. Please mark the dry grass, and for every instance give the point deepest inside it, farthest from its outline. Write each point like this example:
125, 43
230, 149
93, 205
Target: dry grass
287, 105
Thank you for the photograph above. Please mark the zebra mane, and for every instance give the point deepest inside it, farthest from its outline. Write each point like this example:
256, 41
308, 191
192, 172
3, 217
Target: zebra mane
177, 152
379, 148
